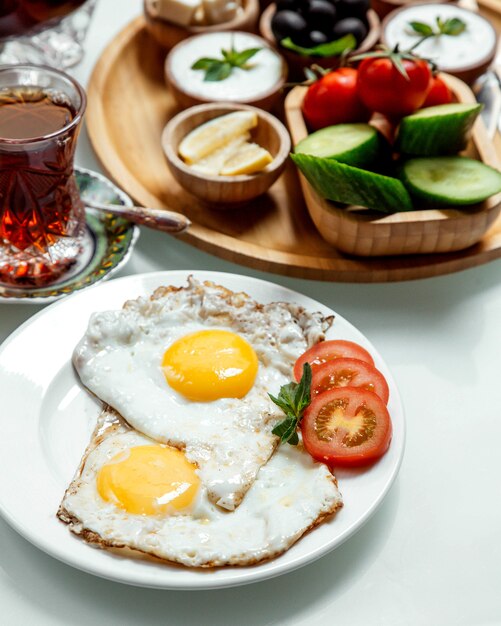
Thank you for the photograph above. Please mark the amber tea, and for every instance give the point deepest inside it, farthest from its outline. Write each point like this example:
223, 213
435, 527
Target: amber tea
41, 215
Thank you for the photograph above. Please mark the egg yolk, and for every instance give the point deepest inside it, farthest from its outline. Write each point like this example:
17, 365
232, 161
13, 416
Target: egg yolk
148, 480
210, 364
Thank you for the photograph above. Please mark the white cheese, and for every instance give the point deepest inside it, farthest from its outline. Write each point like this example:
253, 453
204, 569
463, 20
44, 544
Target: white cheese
214, 162
180, 12
216, 133
199, 17
219, 11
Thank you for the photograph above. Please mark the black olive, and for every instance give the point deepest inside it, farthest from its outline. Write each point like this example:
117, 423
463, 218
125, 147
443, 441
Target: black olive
316, 38
302, 39
288, 24
289, 5
352, 8
321, 15
350, 25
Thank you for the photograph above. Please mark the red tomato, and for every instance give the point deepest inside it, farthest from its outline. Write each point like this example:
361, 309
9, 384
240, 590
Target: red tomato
343, 372
333, 99
346, 426
328, 350
384, 89
439, 93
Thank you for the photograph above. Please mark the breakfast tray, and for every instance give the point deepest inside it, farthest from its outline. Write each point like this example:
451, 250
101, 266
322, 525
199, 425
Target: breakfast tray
128, 107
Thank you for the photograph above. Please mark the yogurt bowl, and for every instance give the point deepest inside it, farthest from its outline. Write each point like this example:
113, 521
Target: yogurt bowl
383, 7
466, 56
258, 85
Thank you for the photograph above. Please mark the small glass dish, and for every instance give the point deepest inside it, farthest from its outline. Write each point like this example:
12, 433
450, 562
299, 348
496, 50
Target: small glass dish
45, 34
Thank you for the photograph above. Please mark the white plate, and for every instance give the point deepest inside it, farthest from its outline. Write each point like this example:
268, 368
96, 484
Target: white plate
47, 419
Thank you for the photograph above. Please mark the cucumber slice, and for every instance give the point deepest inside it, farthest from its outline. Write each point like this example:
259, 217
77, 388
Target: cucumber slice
443, 129
450, 180
354, 144
350, 185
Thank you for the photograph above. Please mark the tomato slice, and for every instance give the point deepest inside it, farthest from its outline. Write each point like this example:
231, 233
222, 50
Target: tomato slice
343, 372
328, 350
346, 426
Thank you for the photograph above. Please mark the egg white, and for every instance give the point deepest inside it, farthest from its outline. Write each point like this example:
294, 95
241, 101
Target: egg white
119, 359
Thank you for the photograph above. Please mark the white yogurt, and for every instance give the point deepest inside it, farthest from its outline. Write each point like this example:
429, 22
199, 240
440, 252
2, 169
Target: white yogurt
449, 53
241, 85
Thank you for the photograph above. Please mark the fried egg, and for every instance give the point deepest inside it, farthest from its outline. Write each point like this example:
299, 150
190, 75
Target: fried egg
192, 367
132, 492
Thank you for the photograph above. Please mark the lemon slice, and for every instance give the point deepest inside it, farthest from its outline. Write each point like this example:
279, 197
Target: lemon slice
215, 134
214, 162
250, 159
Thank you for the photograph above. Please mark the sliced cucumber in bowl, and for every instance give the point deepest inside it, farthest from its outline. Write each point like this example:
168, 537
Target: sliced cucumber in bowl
438, 130
350, 185
452, 181
353, 144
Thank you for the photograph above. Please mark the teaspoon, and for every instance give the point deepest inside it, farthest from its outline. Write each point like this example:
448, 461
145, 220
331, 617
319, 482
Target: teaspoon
158, 219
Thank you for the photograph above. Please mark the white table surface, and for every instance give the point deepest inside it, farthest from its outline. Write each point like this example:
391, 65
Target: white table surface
431, 555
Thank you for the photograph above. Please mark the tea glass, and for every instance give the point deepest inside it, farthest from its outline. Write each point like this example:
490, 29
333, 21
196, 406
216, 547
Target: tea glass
42, 218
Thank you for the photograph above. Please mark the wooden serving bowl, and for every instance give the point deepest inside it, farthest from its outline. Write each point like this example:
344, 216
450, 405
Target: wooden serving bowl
296, 62
168, 34
361, 232
225, 191
383, 7
265, 100
467, 73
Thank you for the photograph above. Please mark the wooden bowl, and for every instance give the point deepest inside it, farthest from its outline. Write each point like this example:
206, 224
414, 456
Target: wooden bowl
467, 73
265, 100
361, 232
226, 191
383, 7
298, 63
168, 34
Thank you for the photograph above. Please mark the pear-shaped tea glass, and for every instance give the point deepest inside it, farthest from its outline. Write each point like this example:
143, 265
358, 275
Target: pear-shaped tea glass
42, 219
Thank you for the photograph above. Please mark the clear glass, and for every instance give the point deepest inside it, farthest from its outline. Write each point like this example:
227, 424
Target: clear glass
42, 219
47, 32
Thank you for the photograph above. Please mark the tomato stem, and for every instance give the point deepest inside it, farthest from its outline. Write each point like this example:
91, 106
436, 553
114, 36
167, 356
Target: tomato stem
396, 56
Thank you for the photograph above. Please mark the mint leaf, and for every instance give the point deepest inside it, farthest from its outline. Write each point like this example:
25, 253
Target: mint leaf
293, 399
204, 64
241, 58
421, 28
303, 390
287, 395
453, 27
285, 428
283, 404
217, 71
331, 49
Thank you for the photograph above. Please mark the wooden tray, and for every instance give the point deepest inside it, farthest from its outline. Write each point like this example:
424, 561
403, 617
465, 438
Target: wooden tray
370, 233
128, 107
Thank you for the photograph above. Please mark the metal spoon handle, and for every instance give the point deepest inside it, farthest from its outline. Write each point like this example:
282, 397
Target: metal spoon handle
158, 219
